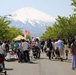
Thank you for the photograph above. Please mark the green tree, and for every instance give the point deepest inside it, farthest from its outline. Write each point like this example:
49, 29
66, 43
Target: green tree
6, 32
4, 27
14, 32
63, 27
74, 4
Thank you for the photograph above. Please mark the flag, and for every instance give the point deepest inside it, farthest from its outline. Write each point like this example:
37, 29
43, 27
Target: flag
27, 32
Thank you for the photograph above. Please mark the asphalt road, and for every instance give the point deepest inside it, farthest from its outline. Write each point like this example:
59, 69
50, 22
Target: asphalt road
42, 66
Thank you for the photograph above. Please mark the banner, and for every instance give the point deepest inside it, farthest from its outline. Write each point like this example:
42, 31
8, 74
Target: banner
27, 32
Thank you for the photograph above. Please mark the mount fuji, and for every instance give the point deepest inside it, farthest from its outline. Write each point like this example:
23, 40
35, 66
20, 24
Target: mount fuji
31, 19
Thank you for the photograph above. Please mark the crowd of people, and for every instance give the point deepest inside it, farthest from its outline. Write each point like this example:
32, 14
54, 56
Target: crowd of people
54, 49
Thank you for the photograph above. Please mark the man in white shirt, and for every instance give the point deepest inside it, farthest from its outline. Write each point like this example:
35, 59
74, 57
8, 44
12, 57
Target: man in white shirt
25, 48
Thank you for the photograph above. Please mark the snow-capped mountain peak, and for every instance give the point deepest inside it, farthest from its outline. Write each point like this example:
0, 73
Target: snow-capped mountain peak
30, 14
31, 19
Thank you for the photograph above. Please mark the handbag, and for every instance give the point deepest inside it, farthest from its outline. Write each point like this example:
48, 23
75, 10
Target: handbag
47, 49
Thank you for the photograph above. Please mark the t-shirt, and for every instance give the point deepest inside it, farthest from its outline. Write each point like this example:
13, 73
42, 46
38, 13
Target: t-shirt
25, 46
60, 44
1, 50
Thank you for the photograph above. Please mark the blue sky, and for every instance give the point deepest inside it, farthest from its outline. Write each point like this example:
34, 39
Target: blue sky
50, 7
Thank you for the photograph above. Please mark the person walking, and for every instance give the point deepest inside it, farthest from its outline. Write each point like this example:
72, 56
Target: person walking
73, 53
49, 48
20, 51
42, 45
38, 47
61, 48
25, 48
57, 53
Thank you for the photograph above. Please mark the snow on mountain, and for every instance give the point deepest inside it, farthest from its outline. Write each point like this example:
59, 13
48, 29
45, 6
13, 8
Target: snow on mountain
31, 19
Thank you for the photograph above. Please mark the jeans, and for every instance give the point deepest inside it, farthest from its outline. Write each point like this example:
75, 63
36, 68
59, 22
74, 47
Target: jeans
74, 61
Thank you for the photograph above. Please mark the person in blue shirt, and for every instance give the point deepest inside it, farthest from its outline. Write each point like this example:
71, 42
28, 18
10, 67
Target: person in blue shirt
61, 48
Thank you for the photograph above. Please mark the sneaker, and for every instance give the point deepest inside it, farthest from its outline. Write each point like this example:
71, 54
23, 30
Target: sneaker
61, 59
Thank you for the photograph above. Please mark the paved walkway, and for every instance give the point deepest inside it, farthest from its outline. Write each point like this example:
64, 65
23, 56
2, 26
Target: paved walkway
43, 66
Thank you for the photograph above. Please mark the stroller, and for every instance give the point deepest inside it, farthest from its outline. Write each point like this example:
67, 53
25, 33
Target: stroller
36, 52
2, 71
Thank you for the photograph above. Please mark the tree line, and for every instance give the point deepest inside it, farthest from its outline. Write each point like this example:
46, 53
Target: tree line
64, 27
7, 32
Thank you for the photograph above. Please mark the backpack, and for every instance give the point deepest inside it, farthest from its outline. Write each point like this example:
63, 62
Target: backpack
16, 45
49, 45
